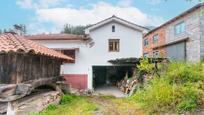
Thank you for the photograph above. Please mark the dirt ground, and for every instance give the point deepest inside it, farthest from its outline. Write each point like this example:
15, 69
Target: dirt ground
110, 90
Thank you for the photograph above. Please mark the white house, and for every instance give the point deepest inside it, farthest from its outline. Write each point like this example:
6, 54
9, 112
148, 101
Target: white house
109, 39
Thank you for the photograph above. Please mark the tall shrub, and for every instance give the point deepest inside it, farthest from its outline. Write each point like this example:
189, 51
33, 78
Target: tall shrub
180, 88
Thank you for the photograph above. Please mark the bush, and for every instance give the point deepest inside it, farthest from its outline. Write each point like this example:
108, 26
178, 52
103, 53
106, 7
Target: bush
145, 66
156, 96
183, 73
180, 88
185, 98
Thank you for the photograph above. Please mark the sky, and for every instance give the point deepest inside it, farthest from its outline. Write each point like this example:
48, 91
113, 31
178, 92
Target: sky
49, 16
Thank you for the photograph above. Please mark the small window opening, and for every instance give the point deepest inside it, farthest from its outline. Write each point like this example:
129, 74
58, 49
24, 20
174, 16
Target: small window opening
113, 28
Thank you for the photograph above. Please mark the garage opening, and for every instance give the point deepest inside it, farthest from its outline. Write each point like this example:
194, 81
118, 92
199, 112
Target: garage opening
177, 51
110, 75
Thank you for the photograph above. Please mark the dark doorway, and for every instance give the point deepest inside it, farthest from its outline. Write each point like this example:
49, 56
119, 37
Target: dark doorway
99, 76
110, 75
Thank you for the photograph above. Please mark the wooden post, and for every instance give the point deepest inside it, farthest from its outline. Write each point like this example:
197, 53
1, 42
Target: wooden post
12, 108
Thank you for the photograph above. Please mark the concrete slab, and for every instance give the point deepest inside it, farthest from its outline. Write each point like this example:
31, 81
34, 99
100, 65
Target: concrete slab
109, 90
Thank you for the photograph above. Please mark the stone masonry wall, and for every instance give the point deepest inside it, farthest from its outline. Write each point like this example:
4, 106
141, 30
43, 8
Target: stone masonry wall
201, 15
192, 32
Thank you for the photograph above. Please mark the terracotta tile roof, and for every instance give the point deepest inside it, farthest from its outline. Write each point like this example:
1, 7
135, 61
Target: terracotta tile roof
14, 43
57, 37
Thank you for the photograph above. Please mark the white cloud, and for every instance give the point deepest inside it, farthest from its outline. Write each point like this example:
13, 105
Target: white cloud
58, 16
27, 4
33, 4
99, 11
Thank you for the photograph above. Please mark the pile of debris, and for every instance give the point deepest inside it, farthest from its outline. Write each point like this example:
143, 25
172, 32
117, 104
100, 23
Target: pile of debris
148, 77
81, 92
37, 102
127, 84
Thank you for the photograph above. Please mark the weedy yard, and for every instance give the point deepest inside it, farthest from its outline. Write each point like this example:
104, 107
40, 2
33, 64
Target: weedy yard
70, 105
179, 89
93, 105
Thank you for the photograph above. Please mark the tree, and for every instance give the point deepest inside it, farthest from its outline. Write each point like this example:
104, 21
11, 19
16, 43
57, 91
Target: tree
20, 29
69, 29
4, 31
17, 28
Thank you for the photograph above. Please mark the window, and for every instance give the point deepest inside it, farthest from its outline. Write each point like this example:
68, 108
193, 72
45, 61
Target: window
68, 52
156, 54
179, 28
114, 45
145, 55
155, 39
146, 42
113, 28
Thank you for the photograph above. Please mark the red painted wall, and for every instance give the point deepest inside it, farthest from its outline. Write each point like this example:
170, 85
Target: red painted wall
77, 81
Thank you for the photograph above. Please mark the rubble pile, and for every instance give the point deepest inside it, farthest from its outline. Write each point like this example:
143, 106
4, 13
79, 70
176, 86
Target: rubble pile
127, 84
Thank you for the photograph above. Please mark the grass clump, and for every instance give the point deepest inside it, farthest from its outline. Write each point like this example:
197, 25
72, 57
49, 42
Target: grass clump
179, 89
66, 99
52, 107
71, 105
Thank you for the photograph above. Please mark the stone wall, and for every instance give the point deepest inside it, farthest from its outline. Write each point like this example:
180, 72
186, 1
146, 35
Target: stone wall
201, 15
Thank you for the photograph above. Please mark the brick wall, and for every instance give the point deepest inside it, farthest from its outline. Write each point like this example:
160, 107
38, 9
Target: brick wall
161, 41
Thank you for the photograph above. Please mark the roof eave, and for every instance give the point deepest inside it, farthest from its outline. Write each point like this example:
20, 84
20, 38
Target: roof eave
116, 19
172, 43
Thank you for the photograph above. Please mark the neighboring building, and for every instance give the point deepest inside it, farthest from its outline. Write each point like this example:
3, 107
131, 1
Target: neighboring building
152, 43
182, 37
107, 40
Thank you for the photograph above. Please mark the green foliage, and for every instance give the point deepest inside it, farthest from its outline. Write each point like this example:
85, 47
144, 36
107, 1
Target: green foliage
180, 88
186, 98
69, 29
33, 113
183, 73
52, 107
68, 99
145, 66
155, 96
70, 105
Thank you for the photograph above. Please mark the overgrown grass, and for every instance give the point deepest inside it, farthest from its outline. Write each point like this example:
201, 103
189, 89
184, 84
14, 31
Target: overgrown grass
179, 89
110, 105
70, 105
127, 107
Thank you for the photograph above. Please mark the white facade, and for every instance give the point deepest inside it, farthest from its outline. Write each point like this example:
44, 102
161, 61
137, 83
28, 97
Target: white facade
98, 54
